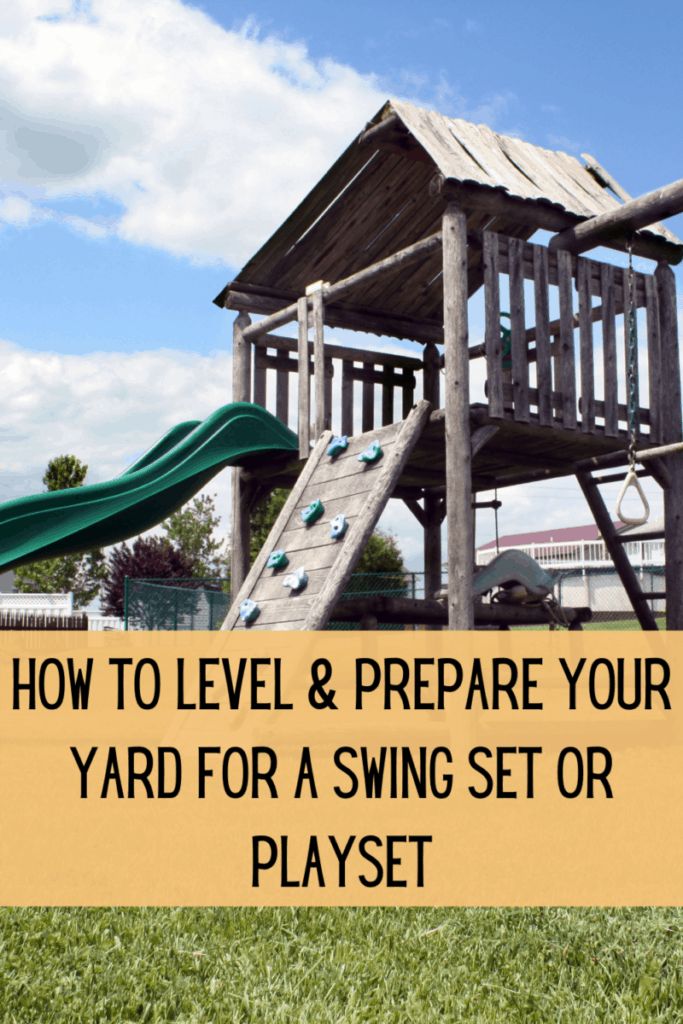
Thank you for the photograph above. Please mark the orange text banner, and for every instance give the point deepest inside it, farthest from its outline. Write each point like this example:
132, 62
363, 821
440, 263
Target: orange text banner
388, 768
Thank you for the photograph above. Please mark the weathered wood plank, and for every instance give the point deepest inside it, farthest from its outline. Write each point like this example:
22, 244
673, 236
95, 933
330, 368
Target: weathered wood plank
542, 334
567, 382
259, 378
318, 313
458, 466
282, 387
368, 406
520, 362
492, 343
609, 351
285, 514
586, 349
388, 473
347, 399
304, 385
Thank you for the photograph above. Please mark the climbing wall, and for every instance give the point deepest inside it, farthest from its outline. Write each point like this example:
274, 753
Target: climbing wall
345, 486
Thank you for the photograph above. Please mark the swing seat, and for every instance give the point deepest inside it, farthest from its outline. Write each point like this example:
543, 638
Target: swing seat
511, 570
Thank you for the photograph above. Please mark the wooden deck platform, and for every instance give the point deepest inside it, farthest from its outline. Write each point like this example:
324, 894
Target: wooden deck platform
515, 454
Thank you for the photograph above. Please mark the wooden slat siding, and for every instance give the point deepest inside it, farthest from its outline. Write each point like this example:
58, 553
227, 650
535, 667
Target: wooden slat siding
282, 387
42, 622
544, 377
347, 399
329, 377
343, 352
304, 383
624, 274
368, 406
494, 355
609, 351
520, 363
386, 473
285, 513
595, 265
318, 315
654, 360
259, 378
599, 409
387, 398
586, 348
567, 382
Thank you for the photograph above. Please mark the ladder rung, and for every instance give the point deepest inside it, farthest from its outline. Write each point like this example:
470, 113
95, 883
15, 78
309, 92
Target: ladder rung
654, 595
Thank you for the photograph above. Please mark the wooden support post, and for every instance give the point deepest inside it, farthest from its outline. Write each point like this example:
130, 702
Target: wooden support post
241, 360
672, 431
432, 544
457, 420
315, 292
241, 392
622, 564
431, 362
304, 430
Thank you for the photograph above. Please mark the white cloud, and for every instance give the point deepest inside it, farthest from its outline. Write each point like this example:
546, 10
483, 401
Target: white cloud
106, 408
203, 138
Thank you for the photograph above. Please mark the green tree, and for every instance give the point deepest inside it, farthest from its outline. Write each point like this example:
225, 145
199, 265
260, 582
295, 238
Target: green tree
147, 558
80, 574
192, 530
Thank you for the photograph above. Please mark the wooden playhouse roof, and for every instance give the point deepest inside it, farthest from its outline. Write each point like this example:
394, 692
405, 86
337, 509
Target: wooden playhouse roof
388, 189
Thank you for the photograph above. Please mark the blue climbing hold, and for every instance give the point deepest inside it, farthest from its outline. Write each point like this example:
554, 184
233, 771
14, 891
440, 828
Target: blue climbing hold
249, 611
296, 581
313, 512
373, 453
337, 445
277, 560
338, 526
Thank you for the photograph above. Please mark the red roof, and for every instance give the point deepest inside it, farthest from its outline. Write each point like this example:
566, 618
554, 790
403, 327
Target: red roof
558, 535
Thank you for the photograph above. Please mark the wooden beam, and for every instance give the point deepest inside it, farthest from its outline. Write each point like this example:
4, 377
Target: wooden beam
457, 416
378, 133
414, 611
241, 392
619, 557
499, 203
604, 178
624, 221
304, 385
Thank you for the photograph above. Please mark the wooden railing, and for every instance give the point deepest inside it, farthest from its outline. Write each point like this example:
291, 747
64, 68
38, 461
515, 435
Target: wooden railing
385, 383
569, 371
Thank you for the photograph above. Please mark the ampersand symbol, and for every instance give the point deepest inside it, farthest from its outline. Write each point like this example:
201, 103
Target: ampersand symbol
318, 696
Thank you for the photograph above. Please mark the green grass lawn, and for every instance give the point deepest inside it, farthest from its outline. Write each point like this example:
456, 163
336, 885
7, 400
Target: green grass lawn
322, 965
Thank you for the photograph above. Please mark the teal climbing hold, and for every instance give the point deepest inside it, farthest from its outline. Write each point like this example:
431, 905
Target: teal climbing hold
373, 453
313, 512
296, 581
337, 445
338, 526
249, 611
277, 560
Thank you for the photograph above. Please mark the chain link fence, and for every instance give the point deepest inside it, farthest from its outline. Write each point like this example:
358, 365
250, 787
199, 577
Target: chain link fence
186, 604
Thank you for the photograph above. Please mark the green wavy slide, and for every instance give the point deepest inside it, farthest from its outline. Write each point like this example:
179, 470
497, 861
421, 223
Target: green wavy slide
164, 478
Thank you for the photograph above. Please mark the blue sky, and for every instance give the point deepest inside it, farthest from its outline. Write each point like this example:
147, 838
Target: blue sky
147, 148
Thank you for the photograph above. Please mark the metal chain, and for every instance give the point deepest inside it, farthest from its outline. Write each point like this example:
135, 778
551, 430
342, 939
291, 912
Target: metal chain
632, 363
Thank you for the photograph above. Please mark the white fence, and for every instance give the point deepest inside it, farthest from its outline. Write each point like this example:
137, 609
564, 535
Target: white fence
49, 604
